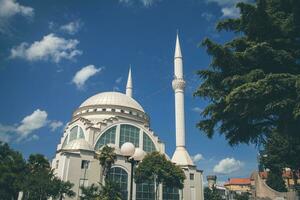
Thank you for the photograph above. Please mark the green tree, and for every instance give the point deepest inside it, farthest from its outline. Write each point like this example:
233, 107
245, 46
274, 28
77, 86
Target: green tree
106, 158
243, 196
275, 181
38, 180
91, 192
253, 84
109, 191
211, 194
62, 189
156, 167
12, 168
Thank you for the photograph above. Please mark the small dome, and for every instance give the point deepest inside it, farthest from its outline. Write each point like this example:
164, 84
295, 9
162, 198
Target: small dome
79, 144
112, 98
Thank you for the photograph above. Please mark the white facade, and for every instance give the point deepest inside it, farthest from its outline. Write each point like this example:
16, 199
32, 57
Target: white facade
115, 118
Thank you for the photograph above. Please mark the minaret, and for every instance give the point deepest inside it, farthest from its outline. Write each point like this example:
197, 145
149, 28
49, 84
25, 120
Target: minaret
180, 156
129, 84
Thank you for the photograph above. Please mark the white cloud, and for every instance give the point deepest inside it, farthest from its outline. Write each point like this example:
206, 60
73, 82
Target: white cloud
72, 27
84, 74
54, 125
32, 122
196, 158
24, 130
116, 88
51, 47
9, 8
197, 109
118, 80
207, 16
6, 132
145, 3
232, 12
228, 7
227, 166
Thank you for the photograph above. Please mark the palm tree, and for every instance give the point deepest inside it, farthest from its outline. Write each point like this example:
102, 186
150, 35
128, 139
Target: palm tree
106, 158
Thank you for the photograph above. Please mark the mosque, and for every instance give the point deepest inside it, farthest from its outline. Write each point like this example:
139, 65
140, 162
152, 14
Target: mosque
114, 118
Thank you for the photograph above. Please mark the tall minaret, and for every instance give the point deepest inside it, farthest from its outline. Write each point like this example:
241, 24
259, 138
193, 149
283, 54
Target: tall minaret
180, 156
129, 84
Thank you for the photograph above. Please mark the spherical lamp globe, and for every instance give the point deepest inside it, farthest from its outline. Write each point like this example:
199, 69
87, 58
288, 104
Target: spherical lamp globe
139, 154
127, 149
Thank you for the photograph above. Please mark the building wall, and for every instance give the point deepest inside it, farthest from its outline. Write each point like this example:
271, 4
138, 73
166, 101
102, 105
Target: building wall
240, 188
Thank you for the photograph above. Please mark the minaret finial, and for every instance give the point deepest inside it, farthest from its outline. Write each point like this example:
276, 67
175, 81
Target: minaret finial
129, 83
177, 48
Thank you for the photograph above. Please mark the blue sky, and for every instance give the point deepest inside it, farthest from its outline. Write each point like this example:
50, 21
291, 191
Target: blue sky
55, 54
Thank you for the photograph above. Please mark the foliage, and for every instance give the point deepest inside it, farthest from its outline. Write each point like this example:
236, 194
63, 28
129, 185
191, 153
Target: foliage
12, 168
275, 181
35, 178
211, 194
107, 158
281, 152
62, 189
243, 196
109, 191
40, 182
253, 84
156, 167
90, 193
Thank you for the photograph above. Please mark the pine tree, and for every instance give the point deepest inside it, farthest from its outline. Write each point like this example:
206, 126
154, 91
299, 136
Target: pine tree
253, 82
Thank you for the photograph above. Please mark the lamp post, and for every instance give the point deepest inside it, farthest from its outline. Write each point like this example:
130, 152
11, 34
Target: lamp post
133, 156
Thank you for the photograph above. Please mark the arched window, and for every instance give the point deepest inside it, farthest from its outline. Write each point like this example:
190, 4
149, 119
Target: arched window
170, 193
129, 133
120, 177
148, 145
65, 142
75, 133
106, 138
145, 191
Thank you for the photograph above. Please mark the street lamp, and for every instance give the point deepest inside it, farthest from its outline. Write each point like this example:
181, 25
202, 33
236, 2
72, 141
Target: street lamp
133, 156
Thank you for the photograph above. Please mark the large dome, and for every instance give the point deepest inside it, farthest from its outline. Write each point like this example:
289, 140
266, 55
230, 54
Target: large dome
112, 98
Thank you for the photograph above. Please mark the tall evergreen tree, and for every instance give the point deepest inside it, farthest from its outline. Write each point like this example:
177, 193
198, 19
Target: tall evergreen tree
253, 83
275, 181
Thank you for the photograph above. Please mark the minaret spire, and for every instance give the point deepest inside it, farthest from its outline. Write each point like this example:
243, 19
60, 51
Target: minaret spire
180, 156
129, 84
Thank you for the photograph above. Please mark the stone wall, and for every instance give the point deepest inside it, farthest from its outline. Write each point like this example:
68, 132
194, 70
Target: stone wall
261, 191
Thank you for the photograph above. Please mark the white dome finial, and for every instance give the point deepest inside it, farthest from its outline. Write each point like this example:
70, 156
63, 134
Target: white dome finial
129, 84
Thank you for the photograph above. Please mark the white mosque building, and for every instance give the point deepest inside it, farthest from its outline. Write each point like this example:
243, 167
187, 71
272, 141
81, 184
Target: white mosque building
115, 118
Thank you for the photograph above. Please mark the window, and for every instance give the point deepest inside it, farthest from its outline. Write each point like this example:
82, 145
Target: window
107, 137
120, 177
56, 164
145, 191
85, 164
129, 133
148, 145
75, 133
170, 193
192, 176
65, 142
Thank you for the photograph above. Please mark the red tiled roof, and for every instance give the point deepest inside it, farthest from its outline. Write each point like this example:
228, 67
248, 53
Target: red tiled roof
238, 181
